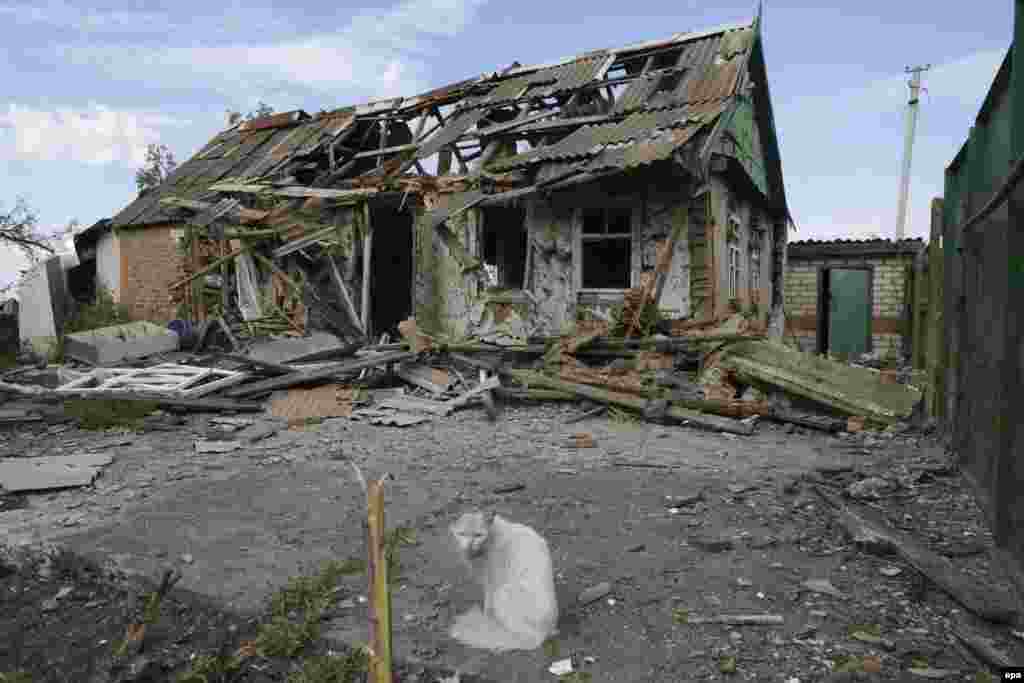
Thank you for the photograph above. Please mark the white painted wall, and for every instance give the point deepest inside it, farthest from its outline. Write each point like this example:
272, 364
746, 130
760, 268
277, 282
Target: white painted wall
108, 264
36, 320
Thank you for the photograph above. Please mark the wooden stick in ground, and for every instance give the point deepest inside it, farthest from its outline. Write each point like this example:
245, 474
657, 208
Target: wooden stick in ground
631, 403
380, 596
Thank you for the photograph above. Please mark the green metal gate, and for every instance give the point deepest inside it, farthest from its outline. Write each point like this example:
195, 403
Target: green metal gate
849, 311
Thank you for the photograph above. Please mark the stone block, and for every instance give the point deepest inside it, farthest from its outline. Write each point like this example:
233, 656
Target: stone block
112, 345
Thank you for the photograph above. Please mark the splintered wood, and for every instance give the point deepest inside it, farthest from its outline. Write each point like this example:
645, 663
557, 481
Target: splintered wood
298, 405
417, 341
580, 440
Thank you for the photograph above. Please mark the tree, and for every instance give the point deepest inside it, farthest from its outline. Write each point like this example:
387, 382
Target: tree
19, 228
262, 109
159, 164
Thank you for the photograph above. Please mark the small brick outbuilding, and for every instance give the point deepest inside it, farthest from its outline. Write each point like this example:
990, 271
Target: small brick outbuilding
848, 297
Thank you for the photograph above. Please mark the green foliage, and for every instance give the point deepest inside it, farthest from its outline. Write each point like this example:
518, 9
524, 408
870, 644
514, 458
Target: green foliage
332, 669
650, 316
15, 677
576, 677
97, 413
285, 634
312, 592
393, 540
102, 312
282, 637
210, 669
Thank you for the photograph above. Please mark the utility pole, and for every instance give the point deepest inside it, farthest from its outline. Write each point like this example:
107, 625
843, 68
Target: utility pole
908, 144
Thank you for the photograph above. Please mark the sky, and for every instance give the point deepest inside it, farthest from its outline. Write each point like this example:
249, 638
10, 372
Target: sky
87, 87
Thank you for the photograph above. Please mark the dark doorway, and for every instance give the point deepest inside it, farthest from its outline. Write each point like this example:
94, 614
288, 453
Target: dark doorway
504, 242
844, 311
391, 270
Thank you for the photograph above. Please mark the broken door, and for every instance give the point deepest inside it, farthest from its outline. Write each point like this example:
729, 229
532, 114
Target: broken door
848, 300
391, 270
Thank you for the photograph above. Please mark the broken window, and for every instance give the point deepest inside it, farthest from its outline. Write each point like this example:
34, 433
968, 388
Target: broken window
504, 244
734, 270
607, 248
755, 267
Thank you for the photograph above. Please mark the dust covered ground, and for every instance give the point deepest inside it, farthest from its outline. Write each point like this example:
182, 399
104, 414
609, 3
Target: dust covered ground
680, 523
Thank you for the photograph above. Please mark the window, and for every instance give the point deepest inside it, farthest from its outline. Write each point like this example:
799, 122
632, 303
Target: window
755, 267
756, 240
607, 247
734, 270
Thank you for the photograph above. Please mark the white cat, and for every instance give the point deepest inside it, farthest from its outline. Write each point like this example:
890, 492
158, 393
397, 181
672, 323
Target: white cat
513, 563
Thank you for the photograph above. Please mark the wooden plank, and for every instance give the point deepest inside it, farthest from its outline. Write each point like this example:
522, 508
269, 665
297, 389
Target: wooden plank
632, 403
420, 405
345, 296
213, 266
866, 528
486, 385
295, 191
367, 254
386, 150
420, 375
216, 385
303, 242
297, 378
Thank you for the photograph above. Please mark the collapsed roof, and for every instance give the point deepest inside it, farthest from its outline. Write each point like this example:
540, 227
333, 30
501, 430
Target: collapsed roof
510, 133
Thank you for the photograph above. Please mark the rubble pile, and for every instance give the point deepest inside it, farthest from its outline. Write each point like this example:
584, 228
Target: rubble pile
722, 376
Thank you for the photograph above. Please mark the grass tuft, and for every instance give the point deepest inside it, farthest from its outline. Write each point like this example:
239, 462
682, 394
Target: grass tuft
98, 414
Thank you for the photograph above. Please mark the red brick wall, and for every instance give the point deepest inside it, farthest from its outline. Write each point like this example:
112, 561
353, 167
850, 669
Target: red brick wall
149, 263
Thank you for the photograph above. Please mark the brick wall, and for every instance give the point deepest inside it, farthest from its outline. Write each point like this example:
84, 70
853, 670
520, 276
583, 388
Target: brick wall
887, 292
149, 263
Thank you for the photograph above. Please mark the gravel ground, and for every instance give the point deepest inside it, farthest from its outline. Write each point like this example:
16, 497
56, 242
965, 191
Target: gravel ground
238, 524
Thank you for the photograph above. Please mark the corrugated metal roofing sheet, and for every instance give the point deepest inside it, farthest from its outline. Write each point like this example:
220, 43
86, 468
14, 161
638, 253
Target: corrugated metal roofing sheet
452, 130
870, 240
589, 140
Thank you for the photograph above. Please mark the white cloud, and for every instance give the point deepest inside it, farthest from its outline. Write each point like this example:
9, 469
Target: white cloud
92, 135
376, 55
57, 13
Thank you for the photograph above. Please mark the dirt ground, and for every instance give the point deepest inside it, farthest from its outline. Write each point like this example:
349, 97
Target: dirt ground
240, 523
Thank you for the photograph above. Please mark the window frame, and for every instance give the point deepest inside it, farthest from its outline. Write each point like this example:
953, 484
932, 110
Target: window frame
580, 238
735, 269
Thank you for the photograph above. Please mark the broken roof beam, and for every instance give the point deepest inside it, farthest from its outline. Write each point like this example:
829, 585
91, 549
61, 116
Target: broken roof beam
242, 214
386, 150
522, 128
320, 375
336, 196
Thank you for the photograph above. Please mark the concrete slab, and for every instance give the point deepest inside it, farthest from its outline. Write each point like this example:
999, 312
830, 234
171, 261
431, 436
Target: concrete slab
112, 345
50, 472
282, 350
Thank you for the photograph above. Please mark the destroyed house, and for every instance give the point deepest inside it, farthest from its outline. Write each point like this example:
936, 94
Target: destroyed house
598, 187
